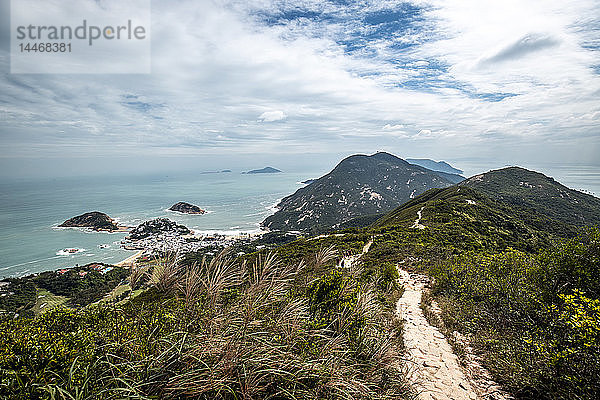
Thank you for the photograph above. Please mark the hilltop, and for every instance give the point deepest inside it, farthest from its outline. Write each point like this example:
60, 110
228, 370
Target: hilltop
358, 186
536, 194
510, 197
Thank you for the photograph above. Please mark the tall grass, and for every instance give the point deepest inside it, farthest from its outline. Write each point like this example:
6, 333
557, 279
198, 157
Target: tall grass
224, 329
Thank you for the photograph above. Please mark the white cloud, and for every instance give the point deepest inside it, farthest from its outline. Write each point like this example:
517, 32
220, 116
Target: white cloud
524, 46
217, 67
272, 116
388, 127
418, 64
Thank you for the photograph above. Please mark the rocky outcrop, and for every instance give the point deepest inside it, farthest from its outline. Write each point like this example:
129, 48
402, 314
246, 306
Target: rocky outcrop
157, 227
93, 220
186, 208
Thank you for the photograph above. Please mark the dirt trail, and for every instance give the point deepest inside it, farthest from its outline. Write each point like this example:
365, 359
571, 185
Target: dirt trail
347, 261
434, 368
417, 223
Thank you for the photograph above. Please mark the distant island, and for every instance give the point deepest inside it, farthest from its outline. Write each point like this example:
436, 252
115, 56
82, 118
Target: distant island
440, 166
186, 208
94, 220
265, 170
215, 172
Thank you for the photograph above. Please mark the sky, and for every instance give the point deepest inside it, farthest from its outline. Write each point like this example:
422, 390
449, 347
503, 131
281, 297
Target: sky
253, 83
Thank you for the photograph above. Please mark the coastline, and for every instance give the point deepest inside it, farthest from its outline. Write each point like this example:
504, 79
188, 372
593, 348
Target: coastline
130, 260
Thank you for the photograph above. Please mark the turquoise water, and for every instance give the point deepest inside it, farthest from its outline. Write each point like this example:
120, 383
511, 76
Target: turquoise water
30, 212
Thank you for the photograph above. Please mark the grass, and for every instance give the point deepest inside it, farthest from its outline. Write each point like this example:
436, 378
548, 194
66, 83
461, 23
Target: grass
224, 329
50, 300
115, 293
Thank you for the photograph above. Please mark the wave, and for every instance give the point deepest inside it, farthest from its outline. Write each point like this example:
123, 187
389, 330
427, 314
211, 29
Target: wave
69, 252
83, 230
29, 262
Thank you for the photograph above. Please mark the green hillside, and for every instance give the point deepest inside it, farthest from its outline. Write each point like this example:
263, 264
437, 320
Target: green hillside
292, 321
539, 195
358, 186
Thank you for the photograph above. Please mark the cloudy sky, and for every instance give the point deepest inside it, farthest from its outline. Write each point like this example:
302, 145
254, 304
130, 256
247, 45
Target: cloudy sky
509, 81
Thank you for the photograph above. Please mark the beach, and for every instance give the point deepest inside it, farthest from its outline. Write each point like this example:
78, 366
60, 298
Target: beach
129, 261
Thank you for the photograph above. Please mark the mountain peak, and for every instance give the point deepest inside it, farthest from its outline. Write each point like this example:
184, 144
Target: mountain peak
440, 166
358, 186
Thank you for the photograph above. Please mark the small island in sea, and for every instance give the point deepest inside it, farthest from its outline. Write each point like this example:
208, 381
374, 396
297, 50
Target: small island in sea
265, 170
158, 226
186, 208
94, 220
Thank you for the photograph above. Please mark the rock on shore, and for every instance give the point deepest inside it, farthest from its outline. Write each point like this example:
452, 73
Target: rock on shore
93, 220
156, 227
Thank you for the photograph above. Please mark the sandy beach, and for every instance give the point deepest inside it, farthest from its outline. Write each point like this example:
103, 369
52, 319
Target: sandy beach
129, 260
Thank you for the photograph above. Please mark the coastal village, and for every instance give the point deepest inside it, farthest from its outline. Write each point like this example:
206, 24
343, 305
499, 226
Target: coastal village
172, 242
157, 237
151, 240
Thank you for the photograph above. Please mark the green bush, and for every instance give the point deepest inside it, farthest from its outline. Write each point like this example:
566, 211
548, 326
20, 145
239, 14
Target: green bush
222, 331
536, 318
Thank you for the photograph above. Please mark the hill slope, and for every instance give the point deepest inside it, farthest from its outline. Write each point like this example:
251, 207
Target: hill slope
537, 194
461, 215
359, 185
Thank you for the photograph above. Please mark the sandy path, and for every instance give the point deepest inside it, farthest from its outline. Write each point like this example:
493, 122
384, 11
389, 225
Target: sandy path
347, 261
417, 223
434, 368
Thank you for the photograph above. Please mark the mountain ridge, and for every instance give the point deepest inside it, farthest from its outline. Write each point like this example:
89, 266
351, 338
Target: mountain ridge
359, 185
536, 193
440, 166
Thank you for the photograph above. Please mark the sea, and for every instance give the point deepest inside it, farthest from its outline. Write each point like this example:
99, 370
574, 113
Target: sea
31, 210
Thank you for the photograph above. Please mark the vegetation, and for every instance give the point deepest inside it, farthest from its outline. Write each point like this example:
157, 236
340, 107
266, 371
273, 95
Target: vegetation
75, 287
81, 290
534, 195
534, 317
290, 317
17, 296
224, 329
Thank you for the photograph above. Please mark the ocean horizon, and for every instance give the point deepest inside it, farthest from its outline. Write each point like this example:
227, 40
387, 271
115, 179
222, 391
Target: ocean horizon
31, 210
